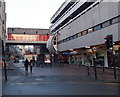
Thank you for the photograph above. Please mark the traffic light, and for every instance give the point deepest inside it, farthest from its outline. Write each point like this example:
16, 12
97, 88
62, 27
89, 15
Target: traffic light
109, 42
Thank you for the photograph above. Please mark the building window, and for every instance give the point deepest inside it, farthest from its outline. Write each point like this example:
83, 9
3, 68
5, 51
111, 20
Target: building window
64, 40
79, 34
119, 19
98, 27
90, 30
84, 32
3, 22
75, 36
105, 24
12, 29
116, 20
68, 39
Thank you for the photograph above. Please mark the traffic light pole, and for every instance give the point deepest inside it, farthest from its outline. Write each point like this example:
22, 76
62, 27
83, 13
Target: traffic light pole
114, 66
110, 47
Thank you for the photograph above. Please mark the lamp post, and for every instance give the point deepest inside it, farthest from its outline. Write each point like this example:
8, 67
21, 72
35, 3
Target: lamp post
94, 49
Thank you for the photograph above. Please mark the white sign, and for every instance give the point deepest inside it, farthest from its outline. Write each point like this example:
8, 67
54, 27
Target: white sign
94, 49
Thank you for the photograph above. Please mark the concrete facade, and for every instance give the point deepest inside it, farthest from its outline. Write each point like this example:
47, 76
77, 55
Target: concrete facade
86, 24
2, 36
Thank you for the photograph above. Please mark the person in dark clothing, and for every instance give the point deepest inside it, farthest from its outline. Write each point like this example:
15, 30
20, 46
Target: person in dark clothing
32, 62
26, 65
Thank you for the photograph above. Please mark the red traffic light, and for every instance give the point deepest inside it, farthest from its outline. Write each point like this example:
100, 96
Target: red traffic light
107, 37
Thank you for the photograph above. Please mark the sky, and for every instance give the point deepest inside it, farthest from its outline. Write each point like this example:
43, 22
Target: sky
31, 13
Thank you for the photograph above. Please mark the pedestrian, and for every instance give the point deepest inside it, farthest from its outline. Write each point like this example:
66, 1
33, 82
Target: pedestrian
31, 65
26, 63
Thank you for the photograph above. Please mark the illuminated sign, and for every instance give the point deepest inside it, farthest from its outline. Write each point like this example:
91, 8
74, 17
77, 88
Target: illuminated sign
21, 37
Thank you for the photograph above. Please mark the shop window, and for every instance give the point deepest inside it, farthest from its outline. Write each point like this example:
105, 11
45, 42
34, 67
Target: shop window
98, 27
105, 24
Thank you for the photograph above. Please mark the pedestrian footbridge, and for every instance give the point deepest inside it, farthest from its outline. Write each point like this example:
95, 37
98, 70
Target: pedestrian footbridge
26, 39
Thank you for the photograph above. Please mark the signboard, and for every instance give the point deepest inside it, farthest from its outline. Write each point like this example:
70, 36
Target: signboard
21, 37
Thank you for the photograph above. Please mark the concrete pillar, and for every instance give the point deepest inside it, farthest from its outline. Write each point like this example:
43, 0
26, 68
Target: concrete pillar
69, 59
82, 59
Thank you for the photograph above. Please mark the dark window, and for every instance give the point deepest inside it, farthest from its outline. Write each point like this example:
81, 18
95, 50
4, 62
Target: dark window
75, 36
12, 29
71, 37
105, 24
98, 27
64, 40
3, 22
115, 20
119, 19
68, 39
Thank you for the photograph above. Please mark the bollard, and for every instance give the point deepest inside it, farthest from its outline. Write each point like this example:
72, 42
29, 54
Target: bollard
88, 70
95, 71
103, 69
115, 77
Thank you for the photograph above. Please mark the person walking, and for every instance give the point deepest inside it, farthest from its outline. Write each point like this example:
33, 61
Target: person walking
26, 65
31, 64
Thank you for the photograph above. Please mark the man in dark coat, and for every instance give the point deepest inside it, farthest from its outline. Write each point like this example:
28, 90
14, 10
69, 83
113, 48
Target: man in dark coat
32, 63
26, 65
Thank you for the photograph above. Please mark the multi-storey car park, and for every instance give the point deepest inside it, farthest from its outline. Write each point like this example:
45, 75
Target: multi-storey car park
78, 29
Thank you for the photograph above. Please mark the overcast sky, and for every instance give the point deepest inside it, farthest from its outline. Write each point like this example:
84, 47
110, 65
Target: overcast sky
31, 13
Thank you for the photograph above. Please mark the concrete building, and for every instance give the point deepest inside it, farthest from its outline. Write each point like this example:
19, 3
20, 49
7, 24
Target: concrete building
2, 22
79, 28
2, 36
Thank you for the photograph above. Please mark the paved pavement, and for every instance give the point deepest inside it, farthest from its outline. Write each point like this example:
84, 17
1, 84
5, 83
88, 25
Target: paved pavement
60, 80
73, 70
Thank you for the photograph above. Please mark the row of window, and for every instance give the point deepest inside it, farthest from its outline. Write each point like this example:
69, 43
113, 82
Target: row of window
92, 29
66, 12
77, 16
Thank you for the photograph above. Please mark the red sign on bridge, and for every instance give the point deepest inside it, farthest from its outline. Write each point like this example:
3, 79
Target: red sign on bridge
21, 37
